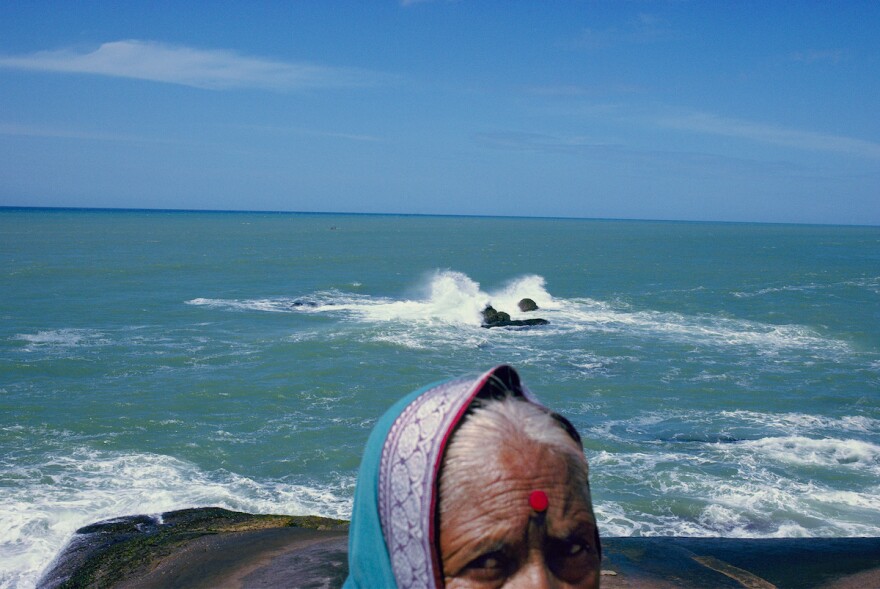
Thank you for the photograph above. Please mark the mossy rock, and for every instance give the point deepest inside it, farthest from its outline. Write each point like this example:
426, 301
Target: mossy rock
105, 553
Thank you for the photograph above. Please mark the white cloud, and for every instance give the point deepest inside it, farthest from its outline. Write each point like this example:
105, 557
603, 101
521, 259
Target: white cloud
174, 64
808, 140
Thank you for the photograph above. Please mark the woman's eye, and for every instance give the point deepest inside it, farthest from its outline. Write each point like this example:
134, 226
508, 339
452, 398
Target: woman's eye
570, 548
490, 560
571, 560
487, 567
487, 562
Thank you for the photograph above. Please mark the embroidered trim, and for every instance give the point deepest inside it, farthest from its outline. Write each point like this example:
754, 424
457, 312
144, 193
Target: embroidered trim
406, 472
410, 461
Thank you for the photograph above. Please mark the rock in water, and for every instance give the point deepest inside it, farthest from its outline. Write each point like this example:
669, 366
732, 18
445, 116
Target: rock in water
301, 303
105, 554
493, 318
517, 323
527, 305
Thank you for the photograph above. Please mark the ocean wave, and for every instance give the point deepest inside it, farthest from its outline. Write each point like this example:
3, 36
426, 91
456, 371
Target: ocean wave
827, 452
869, 501
733, 424
449, 298
701, 329
802, 422
736, 474
728, 490
42, 505
453, 300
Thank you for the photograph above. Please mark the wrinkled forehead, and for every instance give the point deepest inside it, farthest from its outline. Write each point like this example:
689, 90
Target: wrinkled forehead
518, 482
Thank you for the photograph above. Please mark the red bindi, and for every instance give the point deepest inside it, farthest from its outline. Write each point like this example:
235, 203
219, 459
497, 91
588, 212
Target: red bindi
538, 501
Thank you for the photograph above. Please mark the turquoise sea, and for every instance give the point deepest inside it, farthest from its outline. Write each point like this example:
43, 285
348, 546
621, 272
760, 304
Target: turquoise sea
726, 377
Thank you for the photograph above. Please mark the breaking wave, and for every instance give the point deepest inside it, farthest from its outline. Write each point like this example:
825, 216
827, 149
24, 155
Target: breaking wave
42, 506
749, 489
737, 474
827, 452
453, 299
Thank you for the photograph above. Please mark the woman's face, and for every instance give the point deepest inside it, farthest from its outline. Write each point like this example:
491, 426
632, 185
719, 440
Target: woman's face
496, 539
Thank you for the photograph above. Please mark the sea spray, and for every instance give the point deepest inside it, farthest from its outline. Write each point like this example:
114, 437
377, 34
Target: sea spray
454, 300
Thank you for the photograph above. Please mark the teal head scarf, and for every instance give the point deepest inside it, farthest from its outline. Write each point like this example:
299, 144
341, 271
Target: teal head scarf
392, 538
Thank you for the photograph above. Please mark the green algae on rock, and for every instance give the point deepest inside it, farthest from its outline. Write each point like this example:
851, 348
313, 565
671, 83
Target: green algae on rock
103, 554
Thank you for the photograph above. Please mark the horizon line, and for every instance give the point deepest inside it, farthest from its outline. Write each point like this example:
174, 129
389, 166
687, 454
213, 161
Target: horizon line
387, 214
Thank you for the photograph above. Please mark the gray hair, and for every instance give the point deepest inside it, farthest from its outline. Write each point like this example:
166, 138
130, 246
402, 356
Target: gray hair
496, 423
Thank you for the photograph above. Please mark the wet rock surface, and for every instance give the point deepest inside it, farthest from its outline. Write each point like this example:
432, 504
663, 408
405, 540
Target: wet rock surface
215, 548
526, 305
108, 553
494, 318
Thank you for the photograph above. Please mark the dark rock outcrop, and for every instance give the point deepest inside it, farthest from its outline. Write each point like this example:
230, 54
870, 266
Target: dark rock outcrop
517, 323
493, 318
211, 547
106, 553
526, 305
303, 303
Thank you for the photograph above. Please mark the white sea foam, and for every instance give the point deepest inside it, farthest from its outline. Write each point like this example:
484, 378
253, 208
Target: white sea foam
705, 330
62, 338
871, 284
531, 286
803, 479
826, 452
453, 300
775, 289
615, 521
303, 336
804, 423
268, 305
41, 507
740, 497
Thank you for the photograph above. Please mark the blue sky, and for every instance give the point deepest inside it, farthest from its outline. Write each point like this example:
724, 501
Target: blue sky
734, 111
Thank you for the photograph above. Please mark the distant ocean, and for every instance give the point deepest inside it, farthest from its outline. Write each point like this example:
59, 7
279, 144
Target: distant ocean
726, 377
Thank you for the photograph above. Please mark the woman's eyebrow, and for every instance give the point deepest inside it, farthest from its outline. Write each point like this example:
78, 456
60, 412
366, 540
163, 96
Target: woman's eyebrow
563, 530
492, 541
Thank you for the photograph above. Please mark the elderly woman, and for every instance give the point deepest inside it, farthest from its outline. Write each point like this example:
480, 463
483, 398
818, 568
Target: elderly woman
473, 483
